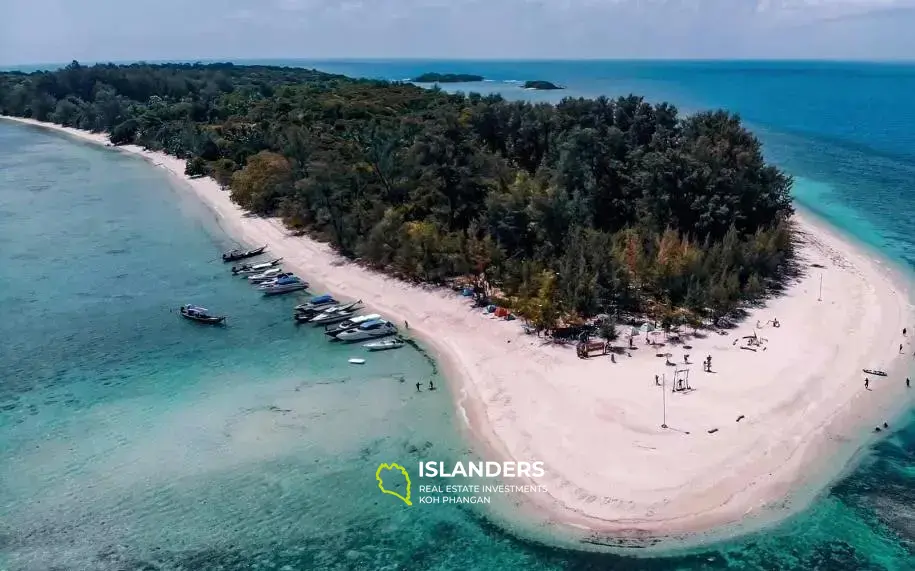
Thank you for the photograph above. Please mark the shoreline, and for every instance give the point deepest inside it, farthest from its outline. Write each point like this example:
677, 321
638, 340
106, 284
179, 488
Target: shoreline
612, 472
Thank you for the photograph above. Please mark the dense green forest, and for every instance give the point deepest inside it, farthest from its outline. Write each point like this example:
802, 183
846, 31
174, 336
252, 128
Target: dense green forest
562, 211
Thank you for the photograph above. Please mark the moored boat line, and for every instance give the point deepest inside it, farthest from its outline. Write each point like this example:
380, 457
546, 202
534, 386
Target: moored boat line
341, 320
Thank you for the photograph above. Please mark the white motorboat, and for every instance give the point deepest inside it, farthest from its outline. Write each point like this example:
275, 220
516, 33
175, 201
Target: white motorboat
333, 317
385, 345
369, 330
304, 314
350, 323
248, 269
285, 284
266, 275
316, 303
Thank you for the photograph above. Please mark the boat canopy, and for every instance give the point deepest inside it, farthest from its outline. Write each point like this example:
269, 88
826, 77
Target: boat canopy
371, 324
322, 299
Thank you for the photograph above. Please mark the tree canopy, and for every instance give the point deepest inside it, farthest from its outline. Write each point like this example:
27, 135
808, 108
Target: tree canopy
582, 207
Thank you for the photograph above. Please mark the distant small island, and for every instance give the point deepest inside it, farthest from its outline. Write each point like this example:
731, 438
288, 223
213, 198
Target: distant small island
447, 78
540, 84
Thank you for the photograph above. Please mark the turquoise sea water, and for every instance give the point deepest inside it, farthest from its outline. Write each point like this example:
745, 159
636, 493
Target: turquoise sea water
130, 439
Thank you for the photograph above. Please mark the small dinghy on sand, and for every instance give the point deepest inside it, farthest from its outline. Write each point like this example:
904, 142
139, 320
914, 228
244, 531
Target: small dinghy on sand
355, 361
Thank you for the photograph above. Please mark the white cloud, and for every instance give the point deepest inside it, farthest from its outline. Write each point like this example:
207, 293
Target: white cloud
182, 29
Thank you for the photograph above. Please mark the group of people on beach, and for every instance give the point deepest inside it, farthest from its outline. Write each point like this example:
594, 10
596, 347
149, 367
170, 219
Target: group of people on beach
908, 381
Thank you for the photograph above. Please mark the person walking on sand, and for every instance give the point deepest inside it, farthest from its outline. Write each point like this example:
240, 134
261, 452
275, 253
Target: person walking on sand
867, 384
903, 331
908, 383
657, 381
406, 324
431, 386
900, 347
417, 386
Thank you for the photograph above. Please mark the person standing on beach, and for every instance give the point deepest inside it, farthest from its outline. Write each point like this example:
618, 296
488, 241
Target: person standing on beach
908, 383
867, 384
431, 386
406, 324
900, 347
417, 386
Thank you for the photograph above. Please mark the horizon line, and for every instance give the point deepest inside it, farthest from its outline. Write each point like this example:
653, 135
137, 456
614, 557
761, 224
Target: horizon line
39, 66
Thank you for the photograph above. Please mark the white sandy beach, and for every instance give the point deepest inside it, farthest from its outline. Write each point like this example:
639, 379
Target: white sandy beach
610, 467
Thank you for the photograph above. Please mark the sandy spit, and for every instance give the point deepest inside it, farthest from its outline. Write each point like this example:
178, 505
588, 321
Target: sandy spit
610, 467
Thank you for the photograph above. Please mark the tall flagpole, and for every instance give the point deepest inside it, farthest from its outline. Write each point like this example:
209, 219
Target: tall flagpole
664, 398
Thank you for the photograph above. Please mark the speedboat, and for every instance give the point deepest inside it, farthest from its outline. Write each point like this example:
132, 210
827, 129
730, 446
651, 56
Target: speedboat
267, 275
239, 254
350, 323
284, 284
369, 330
384, 345
307, 315
255, 268
316, 302
201, 315
333, 317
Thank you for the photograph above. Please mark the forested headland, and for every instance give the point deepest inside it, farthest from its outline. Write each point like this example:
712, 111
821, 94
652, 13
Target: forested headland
541, 84
564, 211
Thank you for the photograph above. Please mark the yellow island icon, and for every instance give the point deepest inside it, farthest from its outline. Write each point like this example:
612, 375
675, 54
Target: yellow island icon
387, 468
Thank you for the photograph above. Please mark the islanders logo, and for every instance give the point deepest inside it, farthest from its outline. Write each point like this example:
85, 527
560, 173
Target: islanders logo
389, 471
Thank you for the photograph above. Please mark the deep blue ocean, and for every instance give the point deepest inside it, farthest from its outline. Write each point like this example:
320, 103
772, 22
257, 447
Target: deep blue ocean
131, 440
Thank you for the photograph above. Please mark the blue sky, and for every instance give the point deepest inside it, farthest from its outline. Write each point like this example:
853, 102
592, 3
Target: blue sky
33, 31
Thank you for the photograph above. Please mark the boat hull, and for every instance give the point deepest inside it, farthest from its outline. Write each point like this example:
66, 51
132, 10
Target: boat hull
285, 289
204, 319
384, 347
354, 336
334, 319
235, 256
